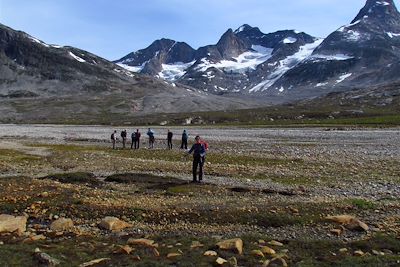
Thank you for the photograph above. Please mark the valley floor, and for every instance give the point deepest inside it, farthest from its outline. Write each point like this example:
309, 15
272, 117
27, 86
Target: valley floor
261, 185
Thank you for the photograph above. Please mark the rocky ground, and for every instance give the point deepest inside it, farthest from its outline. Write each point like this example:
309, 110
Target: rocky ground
271, 189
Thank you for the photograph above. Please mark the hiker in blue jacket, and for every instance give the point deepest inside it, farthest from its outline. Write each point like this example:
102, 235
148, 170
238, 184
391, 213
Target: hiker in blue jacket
150, 133
199, 152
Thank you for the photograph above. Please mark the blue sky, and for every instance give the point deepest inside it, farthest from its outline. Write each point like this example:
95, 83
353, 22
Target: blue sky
113, 28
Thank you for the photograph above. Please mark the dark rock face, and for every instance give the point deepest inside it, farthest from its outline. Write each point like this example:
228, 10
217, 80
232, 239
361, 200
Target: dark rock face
164, 51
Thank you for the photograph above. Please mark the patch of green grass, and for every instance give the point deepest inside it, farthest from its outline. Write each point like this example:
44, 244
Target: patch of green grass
362, 203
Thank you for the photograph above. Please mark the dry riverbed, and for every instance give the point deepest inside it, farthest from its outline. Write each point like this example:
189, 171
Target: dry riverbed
261, 185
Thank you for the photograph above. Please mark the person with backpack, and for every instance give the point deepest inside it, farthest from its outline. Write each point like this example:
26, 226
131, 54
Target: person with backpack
114, 138
133, 138
123, 136
169, 139
185, 137
150, 133
136, 139
199, 153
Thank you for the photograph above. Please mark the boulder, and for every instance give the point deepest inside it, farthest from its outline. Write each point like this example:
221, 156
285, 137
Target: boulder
113, 224
9, 223
62, 224
235, 245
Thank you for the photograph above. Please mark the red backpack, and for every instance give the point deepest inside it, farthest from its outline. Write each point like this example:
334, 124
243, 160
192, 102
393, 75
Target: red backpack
205, 144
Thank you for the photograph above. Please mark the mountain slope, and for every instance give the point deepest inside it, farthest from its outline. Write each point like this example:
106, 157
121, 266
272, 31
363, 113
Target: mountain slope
41, 83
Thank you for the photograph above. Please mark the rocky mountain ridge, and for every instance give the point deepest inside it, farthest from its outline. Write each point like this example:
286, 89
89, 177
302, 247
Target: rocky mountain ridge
289, 64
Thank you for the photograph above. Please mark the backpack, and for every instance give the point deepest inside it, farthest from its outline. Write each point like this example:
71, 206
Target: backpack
137, 135
112, 136
205, 144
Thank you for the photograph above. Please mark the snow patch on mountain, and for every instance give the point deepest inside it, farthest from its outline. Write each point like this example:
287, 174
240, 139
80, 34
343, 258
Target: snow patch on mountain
76, 57
344, 77
286, 64
172, 72
132, 68
289, 40
392, 35
330, 57
247, 61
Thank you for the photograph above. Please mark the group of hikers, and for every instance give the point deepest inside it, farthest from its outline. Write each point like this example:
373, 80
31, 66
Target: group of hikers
198, 149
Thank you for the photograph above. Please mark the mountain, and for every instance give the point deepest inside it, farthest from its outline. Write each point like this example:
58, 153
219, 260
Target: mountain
289, 65
42, 83
238, 60
364, 53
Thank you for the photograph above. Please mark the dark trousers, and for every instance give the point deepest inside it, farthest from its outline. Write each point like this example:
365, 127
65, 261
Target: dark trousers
197, 162
135, 143
169, 143
184, 144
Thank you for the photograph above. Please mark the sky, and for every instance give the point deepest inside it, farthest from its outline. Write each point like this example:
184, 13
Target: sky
114, 28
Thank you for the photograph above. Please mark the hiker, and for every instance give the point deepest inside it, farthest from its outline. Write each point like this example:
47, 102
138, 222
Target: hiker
150, 133
136, 139
185, 137
123, 135
133, 138
199, 153
114, 138
169, 139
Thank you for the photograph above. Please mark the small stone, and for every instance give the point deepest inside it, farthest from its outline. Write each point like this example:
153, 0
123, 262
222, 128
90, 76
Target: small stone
142, 242
275, 243
220, 261
62, 224
94, 262
257, 253
136, 258
155, 252
125, 250
210, 253
233, 262
343, 250
268, 250
235, 245
43, 194
196, 244
46, 259
173, 255
1, 243
337, 232
113, 224
359, 253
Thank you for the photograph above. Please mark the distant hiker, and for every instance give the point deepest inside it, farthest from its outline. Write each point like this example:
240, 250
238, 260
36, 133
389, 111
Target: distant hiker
114, 138
185, 137
123, 135
169, 139
199, 153
150, 133
135, 139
